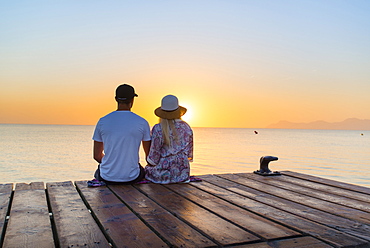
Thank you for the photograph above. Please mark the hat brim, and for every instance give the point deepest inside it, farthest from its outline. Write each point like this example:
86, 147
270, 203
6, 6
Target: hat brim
170, 115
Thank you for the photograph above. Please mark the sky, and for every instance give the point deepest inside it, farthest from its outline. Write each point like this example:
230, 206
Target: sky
234, 63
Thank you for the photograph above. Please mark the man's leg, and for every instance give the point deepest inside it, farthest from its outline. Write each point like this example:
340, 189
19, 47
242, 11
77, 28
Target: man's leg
141, 175
138, 179
97, 174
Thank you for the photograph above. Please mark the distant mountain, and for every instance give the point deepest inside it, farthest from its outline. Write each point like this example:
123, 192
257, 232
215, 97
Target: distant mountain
348, 124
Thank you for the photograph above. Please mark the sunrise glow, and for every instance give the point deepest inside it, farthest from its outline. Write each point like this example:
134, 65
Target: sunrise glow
231, 63
189, 113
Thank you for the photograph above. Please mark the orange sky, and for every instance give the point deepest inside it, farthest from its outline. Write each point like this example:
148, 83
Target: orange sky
232, 64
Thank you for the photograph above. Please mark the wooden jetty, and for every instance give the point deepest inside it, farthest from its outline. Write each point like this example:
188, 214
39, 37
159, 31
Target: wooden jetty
224, 210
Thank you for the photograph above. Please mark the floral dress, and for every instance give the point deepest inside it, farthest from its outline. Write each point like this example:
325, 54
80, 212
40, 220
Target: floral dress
171, 163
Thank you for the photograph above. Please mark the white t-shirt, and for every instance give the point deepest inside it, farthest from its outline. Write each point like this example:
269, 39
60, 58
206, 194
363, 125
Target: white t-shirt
121, 133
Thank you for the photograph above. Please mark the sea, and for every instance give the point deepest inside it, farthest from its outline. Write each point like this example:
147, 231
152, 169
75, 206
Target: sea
58, 153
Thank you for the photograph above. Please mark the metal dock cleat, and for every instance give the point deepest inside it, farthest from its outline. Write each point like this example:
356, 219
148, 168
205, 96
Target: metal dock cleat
264, 166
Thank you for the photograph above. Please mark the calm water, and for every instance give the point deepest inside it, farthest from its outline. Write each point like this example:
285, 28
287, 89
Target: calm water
52, 153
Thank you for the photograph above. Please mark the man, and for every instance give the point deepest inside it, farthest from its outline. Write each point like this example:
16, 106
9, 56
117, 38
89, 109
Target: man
117, 139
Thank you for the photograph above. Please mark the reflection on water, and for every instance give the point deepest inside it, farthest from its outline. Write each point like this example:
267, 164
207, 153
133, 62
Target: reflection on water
337, 154
61, 153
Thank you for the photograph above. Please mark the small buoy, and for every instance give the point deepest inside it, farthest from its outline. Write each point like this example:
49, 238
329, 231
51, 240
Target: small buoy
255, 132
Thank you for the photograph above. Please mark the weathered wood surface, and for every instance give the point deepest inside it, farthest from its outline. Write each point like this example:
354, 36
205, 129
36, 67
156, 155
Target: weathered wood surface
123, 226
5, 196
74, 224
30, 223
225, 210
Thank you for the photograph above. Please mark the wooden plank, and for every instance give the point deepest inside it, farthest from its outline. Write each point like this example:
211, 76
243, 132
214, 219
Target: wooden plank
255, 245
357, 188
119, 222
239, 195
317, 186
257, 225
5, 194
328, 195
301, 242
176, 232
312, 202
340, 223
74, 224
29, 224
222, 231
29, 186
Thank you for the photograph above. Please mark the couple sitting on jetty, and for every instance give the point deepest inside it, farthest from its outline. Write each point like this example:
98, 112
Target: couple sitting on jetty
117, 137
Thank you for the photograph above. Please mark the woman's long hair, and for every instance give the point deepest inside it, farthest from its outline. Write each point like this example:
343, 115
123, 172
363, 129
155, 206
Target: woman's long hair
168, 128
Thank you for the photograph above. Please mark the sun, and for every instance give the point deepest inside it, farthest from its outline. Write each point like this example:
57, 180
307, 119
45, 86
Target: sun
189, 113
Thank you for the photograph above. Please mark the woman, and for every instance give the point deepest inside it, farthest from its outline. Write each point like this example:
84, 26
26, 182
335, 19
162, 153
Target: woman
172, 145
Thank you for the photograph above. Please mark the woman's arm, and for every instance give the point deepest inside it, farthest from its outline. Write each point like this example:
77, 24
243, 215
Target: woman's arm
154, 154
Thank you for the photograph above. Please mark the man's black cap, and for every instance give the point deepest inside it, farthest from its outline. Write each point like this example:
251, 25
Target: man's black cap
125, 92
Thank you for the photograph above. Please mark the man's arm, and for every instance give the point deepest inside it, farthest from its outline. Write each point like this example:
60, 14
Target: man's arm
98, 151
146, 147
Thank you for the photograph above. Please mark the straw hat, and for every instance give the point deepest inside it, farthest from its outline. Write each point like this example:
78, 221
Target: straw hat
170, 108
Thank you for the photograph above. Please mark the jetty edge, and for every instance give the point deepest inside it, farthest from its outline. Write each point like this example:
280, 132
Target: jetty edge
223, 210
